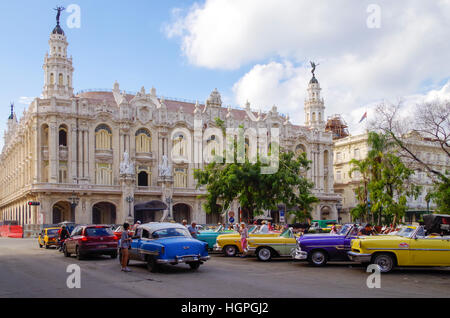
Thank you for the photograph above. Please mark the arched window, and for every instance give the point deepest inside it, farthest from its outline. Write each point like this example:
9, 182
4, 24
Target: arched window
143, 140
60, 79
300, 149
143, 179
313, 116
103, 136
52, 79
63, 136
179, 145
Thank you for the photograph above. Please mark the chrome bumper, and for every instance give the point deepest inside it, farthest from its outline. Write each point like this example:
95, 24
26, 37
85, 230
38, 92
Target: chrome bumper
297, 253
183, 259
250, 251
359, 258
217, 248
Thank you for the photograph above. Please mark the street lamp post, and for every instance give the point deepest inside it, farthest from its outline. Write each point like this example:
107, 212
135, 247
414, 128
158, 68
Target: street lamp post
129, 199
74, 200
169, 202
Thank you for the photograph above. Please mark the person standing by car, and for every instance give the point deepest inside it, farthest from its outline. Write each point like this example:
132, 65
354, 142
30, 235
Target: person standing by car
136, 225
244, 236
125, 244
193, 229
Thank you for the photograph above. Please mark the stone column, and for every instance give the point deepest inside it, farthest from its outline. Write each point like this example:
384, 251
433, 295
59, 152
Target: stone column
86, 154
72, 139
53, 153
79, 144
127, 183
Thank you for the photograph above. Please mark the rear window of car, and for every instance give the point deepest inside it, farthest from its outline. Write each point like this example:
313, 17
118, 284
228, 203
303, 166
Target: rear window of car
52, 232
98, 231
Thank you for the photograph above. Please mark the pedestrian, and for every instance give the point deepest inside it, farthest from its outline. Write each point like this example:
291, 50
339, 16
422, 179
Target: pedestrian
244, 236
135, 226
184, 222
193, 229
333, 229
125, 244
264, 228
269, 225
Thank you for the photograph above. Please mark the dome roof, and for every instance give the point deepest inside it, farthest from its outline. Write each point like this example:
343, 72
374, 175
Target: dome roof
58, 30
313, 80
215, 98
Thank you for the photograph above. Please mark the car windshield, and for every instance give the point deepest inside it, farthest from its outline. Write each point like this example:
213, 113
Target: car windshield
219, 228
98, 231
171, 232
405, 232
286, 233
52, 232
344, 229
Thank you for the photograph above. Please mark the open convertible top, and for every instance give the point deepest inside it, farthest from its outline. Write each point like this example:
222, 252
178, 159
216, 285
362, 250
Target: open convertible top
437, 223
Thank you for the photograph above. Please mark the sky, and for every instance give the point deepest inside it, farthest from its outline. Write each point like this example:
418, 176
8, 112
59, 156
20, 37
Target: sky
256, 50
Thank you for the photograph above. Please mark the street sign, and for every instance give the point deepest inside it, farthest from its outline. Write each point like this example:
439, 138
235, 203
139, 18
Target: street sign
282, 218
231, 220
231, 214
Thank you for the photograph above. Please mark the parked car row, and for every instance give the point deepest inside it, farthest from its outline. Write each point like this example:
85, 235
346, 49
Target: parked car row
153, 243
424, 245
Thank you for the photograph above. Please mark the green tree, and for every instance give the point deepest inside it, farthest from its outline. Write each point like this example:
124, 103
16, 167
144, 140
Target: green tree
255, 191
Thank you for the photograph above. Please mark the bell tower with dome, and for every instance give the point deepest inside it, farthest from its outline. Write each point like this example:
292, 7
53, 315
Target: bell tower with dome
314, 104
58, 69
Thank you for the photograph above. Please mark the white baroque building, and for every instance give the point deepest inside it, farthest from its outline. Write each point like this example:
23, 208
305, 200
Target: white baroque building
105, 156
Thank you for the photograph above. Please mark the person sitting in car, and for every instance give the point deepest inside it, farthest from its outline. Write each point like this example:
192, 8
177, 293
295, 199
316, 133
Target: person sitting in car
367, 230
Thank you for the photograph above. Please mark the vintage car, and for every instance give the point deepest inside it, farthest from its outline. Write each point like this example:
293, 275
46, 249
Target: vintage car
230, 244
267, 247
166, 243
409, 247
318, 249
210, 236
48, 237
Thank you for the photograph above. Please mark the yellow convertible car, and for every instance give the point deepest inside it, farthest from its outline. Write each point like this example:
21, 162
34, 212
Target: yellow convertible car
266, 248
48, 237
408, 247
230, 244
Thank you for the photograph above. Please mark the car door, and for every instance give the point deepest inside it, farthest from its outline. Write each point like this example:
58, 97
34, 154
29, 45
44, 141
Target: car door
72, 241
135, 245
429, 250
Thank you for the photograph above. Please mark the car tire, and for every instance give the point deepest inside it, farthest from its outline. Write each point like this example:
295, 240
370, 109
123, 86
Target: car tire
264, 254
385, 262
152, 266
78, 254
194, 265
318, 258
230, 250
66, 253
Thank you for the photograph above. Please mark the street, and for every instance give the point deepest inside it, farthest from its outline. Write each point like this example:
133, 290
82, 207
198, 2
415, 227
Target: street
27, 271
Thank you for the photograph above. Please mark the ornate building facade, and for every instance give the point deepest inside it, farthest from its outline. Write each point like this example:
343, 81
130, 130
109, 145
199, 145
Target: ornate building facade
106, 156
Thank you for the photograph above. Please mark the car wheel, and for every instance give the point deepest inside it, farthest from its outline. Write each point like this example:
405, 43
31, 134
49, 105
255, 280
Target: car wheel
194, 265
152, 266
66, 253
230, 250
78, 254
318, 258
385, 262
264, 254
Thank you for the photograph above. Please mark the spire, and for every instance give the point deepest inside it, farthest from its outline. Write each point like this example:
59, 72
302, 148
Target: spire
58, 69
12, 111
314, 104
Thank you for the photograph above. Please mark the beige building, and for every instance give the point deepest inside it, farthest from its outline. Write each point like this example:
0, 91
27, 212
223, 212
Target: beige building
356, 147
107, 156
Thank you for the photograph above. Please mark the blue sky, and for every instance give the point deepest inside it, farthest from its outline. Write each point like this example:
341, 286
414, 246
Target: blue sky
256, 50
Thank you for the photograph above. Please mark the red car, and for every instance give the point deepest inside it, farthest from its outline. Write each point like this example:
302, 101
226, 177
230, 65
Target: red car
91, 240
118, 232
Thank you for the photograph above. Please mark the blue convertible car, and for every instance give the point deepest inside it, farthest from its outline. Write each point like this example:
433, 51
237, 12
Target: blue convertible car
167, 243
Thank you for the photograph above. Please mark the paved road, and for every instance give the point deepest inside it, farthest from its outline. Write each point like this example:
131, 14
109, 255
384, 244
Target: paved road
27, 271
